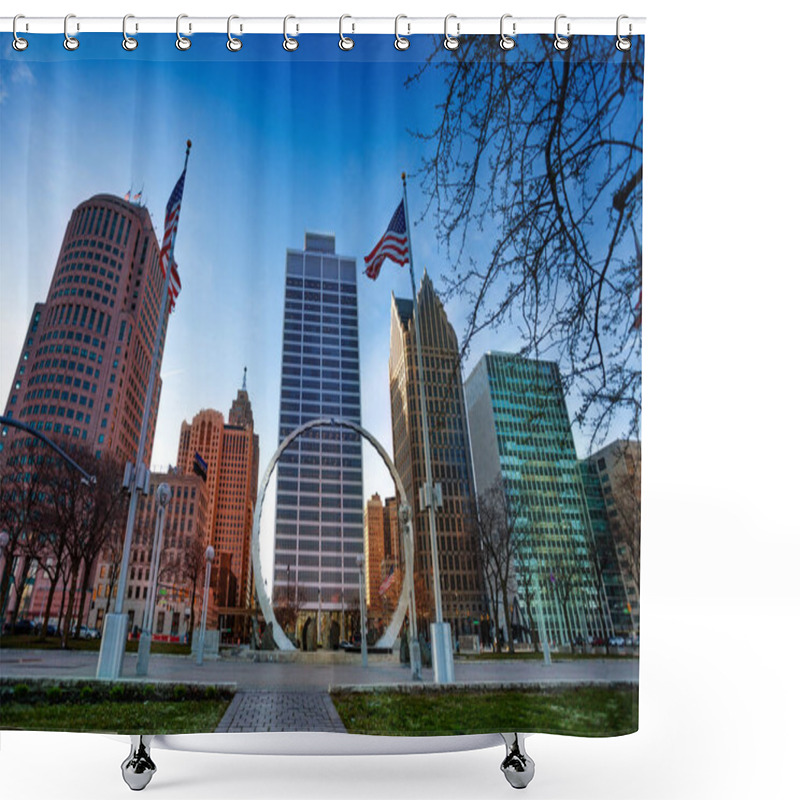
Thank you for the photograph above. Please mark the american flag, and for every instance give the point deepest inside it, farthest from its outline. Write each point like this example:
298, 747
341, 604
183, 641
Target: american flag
387, 582
393, 244
170, 229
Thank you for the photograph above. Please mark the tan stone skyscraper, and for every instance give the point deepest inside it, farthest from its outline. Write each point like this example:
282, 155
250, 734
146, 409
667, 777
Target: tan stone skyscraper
462, 593
228, 454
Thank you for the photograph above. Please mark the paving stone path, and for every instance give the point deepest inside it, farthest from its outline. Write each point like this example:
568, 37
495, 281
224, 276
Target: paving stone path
252, 711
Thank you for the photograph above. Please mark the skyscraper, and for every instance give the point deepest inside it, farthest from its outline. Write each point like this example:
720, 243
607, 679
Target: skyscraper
319, 525
462, 591
521, 434
619, 469
228, 455
85, 361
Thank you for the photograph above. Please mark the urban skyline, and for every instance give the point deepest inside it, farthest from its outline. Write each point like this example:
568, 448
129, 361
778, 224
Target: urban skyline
226, 305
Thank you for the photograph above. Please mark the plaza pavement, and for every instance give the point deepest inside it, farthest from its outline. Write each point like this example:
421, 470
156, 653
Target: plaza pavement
292, 696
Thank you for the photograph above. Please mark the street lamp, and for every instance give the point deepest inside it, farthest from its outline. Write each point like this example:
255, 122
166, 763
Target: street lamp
363, 604
202, 642
163, 496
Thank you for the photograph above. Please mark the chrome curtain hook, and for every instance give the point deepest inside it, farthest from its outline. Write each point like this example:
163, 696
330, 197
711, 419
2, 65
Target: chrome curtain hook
70, 42
623, 43
19, 44
128, 42
181, 42
507, 42
451, 42
233, 44
400, 42
289, 43
560, 42
345, 42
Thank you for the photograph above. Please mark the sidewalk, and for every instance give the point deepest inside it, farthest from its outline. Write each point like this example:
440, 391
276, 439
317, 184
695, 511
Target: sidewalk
300, 677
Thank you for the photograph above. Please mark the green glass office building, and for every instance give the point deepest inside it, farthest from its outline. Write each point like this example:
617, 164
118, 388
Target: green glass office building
521, 434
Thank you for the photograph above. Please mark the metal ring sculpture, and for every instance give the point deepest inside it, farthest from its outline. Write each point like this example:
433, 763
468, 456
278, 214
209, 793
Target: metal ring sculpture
390, 635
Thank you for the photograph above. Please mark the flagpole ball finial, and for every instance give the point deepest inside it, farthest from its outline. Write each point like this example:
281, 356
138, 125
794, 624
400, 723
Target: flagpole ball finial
188, 144
403, 175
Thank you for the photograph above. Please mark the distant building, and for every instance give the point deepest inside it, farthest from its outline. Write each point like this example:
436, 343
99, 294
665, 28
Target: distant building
319, 500
226, 457
181, 565
463, 597
521, 435
619, 468
84, 365
381, 547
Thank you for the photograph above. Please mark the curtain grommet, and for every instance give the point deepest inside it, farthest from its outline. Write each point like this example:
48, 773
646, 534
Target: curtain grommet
289, 44
561, 43
129, 43
345, 42
181, 42
451, 42
401, 42
70, 42
233, 44
19, 44
507, 42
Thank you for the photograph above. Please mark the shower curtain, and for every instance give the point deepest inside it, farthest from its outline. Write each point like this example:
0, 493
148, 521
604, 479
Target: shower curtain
321, 362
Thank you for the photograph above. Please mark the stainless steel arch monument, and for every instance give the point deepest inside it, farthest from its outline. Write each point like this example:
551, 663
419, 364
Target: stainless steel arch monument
406, 602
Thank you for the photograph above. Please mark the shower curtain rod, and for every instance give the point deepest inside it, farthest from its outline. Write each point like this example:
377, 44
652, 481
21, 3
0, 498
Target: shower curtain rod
405, 25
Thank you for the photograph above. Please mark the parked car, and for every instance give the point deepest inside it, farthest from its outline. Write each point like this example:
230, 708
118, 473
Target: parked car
86, 633
23, 626
349, 646
616, 641
52, 630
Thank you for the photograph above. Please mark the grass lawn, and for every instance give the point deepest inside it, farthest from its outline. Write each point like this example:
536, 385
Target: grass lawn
189, 716
581, 710
23, 642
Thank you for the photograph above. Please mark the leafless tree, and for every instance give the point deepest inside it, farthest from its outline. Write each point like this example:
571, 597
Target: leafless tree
23, 506
88, 514
544, 149
495, 524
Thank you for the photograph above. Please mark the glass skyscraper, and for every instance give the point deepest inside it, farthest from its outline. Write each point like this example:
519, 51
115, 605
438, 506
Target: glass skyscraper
319, 518
521, 433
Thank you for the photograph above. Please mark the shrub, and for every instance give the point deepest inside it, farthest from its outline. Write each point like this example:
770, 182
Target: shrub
117, 692
179, 692
54, 694
211, 693
22, 692
88, 694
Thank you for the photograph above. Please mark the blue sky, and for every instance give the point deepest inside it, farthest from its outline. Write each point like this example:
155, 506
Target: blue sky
282, 143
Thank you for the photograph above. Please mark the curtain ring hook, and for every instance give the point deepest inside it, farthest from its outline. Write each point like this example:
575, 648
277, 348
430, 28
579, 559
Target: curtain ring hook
289, 43
345, 42
70, 42
19, 44
561, 43
128, 42
233, 44
451, 42
400, 42
507, 42
181, 42
623, 43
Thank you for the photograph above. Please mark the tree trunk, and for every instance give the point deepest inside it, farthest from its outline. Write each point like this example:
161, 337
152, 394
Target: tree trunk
19, 586
51, 593
509, 625
5, 584
70, 604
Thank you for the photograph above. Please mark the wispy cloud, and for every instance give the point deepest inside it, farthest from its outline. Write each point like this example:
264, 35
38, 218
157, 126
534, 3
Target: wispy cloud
16, 75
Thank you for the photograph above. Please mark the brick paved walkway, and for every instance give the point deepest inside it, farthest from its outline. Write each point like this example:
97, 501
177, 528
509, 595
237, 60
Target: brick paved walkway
254, 711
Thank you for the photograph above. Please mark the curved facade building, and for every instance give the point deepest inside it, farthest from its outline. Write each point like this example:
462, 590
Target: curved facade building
84, 366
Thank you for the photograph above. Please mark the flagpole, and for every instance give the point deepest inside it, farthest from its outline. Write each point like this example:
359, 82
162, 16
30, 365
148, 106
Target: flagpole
443, 664
115, 627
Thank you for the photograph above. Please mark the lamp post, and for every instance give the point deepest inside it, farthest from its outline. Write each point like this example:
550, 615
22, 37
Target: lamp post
363, 605
202, 643
163, 496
